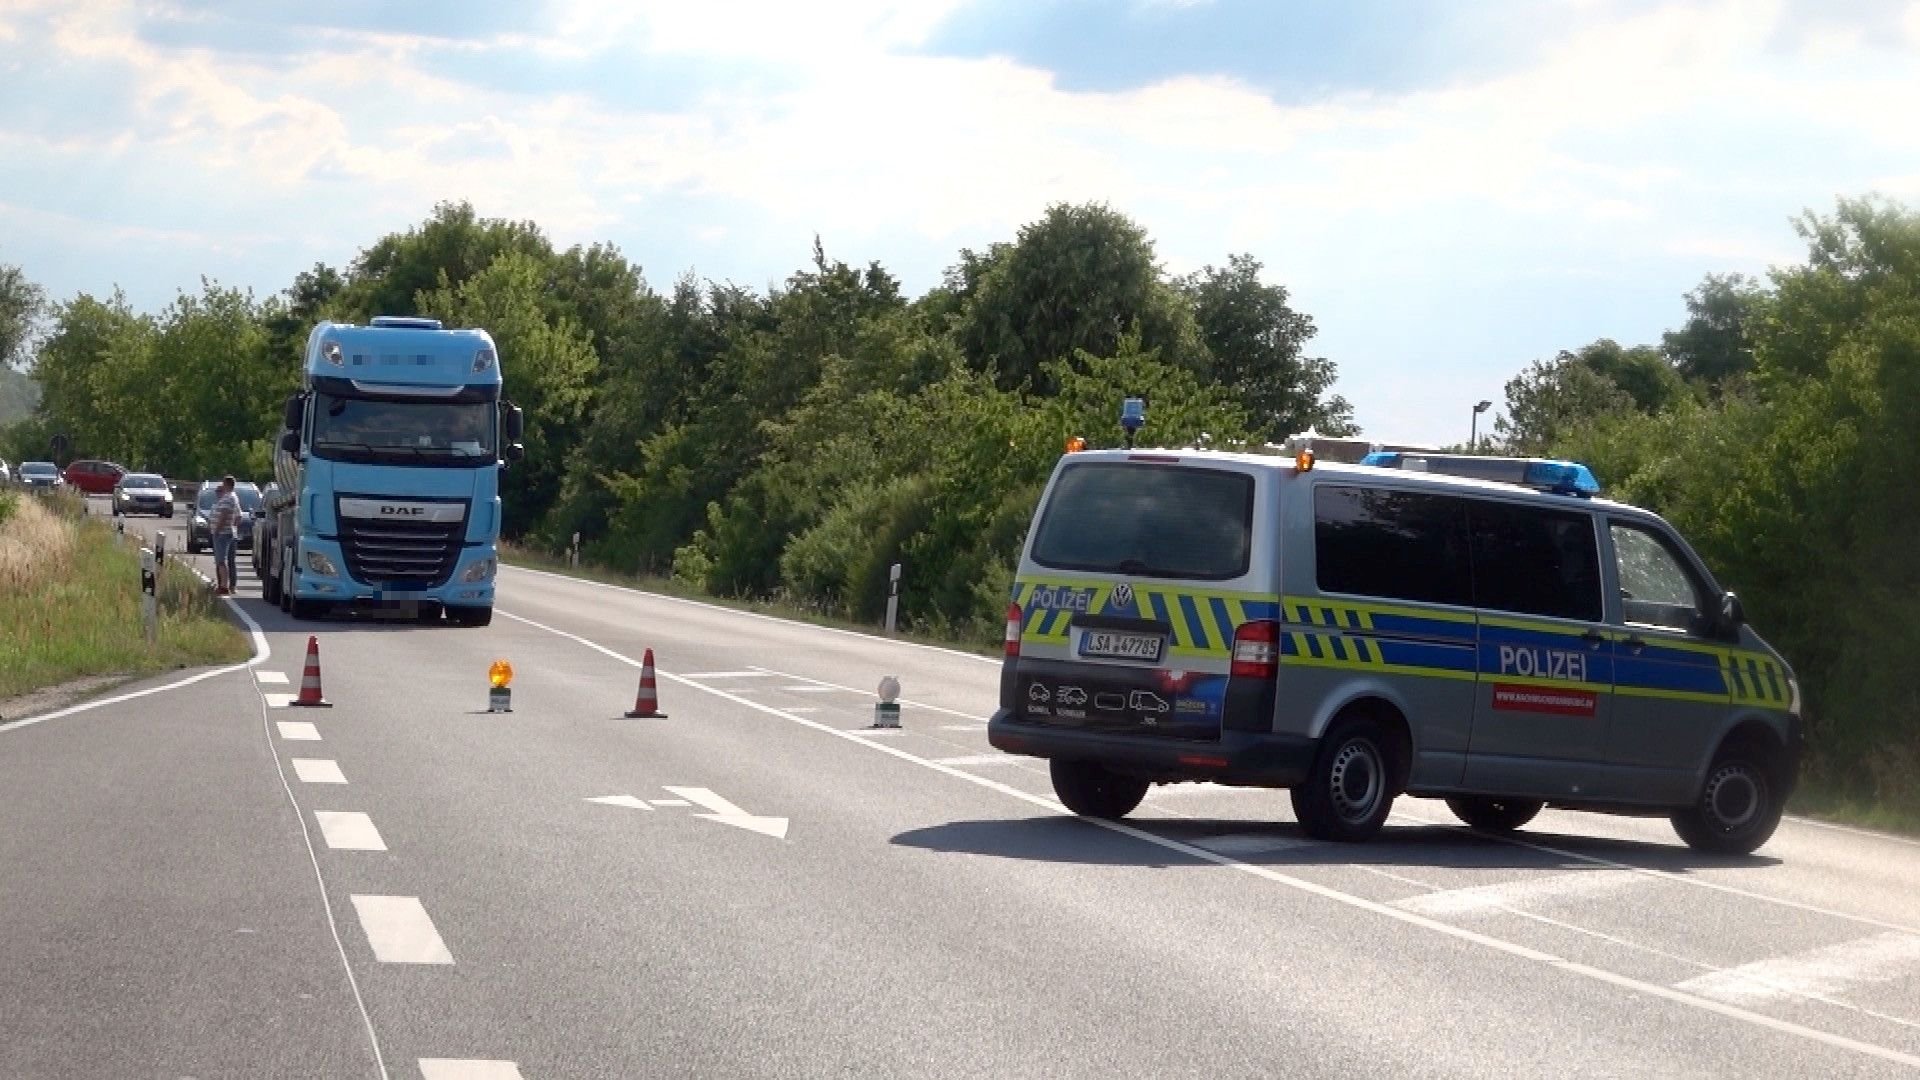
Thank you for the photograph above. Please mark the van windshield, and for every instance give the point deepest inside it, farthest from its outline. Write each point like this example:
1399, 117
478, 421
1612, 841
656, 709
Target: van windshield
1148, 521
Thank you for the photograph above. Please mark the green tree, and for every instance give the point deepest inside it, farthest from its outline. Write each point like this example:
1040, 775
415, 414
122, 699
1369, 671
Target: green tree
21, 303
1711, 348
452, 246
1552, 398
1253, 340
1077, 280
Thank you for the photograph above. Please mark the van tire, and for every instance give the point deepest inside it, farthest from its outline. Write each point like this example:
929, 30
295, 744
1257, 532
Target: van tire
1738, 808
1494, 815
1092, 790
1349, 790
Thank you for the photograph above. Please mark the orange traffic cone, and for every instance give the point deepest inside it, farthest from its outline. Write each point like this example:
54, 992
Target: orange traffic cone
310, 678
646, 704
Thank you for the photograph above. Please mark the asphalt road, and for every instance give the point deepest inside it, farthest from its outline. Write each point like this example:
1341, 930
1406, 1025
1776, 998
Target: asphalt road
767, 888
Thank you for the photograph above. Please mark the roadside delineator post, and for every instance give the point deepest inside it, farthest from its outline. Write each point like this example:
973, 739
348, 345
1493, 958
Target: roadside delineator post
310, 679
149, 617
886, 711
646, 703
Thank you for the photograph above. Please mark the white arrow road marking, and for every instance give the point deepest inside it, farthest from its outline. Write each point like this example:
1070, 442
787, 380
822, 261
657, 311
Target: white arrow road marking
399, 930
726, 813
621, 800
467, 1069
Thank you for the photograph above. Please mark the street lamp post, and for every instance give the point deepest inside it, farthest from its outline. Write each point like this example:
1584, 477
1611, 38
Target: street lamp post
1473, 438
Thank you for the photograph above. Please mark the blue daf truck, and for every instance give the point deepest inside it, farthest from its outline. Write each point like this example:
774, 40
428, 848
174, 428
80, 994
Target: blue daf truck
388, 466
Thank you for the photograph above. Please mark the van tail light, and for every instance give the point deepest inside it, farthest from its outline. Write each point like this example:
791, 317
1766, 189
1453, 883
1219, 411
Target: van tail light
1256, 650
1014, 625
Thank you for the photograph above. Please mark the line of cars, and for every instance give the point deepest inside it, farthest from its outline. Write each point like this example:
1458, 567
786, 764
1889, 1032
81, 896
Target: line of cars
139, 493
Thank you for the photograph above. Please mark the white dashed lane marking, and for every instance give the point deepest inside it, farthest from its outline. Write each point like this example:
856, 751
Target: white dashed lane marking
318, 771
1820, 973
399, 930
298, 731
813, 690
467, 1069
271, 678
349, 831
278, 701
1485, 898
728, 675
980, 759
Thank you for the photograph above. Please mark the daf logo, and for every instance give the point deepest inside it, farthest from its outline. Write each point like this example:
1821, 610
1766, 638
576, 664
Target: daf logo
401, 511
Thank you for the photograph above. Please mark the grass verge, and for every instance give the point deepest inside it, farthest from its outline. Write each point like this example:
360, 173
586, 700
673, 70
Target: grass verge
515, 555
70, 604
1823, 802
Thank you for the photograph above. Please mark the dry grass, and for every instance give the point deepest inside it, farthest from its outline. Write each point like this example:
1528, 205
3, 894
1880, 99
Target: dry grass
70, 606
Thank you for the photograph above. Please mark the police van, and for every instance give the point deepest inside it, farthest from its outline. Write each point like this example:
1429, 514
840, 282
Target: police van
1481, 630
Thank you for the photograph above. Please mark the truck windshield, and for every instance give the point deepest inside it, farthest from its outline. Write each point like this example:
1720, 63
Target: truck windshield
403, 432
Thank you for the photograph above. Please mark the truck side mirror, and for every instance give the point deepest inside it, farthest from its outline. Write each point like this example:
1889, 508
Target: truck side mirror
516, 424
295, 413
290, 441
515, 451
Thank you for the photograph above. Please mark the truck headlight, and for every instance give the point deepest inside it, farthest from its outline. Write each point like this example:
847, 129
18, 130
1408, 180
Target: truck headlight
318, 563
480, 571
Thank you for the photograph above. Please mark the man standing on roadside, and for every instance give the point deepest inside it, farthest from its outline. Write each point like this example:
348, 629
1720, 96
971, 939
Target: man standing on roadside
224, 523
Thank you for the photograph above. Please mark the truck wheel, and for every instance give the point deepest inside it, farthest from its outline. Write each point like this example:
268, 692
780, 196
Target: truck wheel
269, 584
470, 616
1349, 790
1494, 815
1092, 790
1738, 809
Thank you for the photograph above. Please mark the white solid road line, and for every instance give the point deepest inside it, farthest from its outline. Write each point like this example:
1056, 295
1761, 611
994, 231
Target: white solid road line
349, 831
818, 686
963, 727
1818, 973
467, 1069
271, 678
1326, 892
298, 731
318, 771
1479, 899
875, 638
726, 675
812, 689
399, 930
980, 759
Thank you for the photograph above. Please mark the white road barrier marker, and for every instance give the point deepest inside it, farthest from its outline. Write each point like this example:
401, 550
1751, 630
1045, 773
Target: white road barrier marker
1477, 899
298, 731
318, 771
271, 678
1326, 892
467, 1069
724, 812
1819, 973
349, 831
399, 930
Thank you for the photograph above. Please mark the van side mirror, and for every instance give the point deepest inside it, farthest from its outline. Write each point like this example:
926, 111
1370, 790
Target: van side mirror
1733, 614
295, 412
516, 424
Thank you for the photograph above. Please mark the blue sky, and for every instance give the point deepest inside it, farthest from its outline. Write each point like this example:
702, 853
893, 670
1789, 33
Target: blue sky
1450, 189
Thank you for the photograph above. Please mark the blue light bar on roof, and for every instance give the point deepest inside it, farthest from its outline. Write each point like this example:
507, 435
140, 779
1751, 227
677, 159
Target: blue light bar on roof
1559, 477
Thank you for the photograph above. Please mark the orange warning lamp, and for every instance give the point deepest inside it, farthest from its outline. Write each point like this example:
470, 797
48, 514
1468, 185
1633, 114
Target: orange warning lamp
500, 674
1303, 461
1076, 444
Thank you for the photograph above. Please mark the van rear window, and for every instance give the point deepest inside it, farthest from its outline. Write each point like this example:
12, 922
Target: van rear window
1148, 521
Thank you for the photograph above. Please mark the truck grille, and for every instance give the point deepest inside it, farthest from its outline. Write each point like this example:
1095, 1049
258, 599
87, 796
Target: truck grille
401, 554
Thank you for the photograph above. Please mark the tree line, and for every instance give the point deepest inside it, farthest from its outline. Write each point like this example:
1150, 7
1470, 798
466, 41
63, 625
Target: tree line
1779, 428
789, 443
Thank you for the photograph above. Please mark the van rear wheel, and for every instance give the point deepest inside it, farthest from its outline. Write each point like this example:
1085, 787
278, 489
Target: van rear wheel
1349, 790
1092, 790
1494, 815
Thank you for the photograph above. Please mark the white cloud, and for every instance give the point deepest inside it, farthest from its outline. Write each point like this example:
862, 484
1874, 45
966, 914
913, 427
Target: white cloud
1652, 139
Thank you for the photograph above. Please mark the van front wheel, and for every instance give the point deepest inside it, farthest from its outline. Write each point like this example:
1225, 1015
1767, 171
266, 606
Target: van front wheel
1349, 791
1092, 790
1494, 815
1737, 811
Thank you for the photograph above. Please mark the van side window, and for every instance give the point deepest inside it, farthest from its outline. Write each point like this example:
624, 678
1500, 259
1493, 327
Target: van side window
1532, 560
1656, 588
1397, 545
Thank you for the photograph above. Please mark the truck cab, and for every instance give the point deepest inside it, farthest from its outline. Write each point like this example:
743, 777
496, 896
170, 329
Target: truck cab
388, 470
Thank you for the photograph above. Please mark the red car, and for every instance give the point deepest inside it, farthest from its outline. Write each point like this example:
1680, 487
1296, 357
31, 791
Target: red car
94, 477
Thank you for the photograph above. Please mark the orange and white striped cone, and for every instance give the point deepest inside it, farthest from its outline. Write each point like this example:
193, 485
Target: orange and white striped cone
310, 679
646, 704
